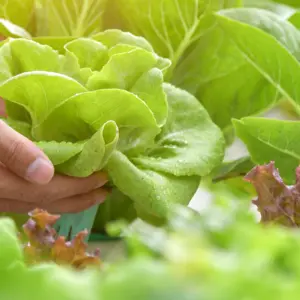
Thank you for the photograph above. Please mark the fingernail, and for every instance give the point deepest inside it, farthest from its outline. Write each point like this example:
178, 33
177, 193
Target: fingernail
40, 171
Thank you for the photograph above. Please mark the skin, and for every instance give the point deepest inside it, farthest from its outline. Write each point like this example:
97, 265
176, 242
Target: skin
28, 181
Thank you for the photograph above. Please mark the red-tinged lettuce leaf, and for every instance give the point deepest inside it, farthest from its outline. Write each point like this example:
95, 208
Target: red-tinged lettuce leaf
276, 201
45, 245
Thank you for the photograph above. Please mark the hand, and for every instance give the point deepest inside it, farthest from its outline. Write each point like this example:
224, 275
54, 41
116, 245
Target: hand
2, 108
27, 180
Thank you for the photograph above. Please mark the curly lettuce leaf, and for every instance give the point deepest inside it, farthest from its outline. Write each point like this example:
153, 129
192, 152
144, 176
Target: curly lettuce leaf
113, 37
39, 92
22, 127
118, 71
91, 110
153, 192
188, 147
277, 202
189, 144
90, 53
94, 154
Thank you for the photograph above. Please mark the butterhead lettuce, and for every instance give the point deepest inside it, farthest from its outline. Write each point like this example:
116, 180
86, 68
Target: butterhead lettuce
101, 104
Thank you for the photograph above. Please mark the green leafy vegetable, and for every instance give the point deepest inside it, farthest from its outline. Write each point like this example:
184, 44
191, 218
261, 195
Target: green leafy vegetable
104, 106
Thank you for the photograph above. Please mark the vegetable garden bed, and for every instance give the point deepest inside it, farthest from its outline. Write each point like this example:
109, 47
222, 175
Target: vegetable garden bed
156, 93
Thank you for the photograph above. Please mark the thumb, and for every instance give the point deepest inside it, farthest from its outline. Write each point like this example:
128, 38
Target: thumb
23, 157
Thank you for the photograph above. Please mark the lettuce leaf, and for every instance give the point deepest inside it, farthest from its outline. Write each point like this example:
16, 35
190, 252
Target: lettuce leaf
213, 44
69, 17
103, 105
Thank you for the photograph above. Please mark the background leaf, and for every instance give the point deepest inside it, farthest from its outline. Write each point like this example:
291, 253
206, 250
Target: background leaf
8, 29
18, 12
171, 26
69, 17
272, 140
229, 54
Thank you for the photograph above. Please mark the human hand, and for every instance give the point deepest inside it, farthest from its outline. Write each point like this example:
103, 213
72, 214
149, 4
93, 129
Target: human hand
27, 180
2, 108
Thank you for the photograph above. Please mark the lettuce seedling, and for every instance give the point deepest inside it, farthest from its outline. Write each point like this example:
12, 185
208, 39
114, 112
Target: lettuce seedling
102, 104
45, 245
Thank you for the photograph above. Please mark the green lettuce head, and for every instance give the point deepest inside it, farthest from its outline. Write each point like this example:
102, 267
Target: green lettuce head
101, 104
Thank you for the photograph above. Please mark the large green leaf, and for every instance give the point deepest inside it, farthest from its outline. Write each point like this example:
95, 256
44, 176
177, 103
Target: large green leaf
69, 17
171, 26
271, 23
189, 144
278, 66
18, 12
233, 77
152, 192
272, 140
281, 9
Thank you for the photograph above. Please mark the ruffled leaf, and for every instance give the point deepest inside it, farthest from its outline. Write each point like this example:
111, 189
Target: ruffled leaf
38, 92
91, 110
152, 192
189, 144
276, 201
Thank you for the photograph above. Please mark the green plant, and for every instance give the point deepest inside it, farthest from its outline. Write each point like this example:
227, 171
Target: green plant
221, 254
102, 104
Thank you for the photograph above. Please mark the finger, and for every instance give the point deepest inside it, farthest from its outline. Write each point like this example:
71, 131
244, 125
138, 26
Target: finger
14, 187
68, 205
2, 108
22, 157
78, 203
